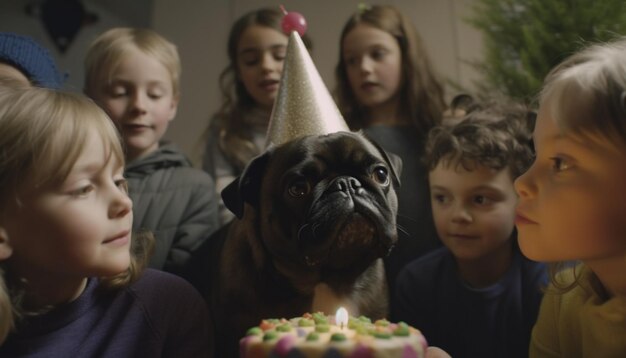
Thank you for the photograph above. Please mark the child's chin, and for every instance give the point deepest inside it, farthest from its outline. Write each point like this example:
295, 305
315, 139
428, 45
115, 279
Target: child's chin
115, 267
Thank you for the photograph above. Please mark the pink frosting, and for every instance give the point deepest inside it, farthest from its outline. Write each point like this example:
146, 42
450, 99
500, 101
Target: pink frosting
424, 343
409, 352
362, 351
284, 345
243, 343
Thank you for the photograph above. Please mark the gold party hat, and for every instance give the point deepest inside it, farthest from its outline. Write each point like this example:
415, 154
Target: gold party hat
303, 104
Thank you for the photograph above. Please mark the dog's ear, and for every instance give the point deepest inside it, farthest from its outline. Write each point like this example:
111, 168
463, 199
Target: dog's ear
393, 160
247, 186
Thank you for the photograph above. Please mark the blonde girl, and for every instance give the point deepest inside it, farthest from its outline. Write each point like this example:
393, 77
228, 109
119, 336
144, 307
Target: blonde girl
73, 279
573, 205
134, 75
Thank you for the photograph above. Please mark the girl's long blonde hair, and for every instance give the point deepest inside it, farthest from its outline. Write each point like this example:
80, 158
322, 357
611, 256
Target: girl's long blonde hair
42, 134
110, 49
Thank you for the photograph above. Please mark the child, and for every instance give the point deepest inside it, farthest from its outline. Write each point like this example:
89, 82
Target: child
387, 87
249, 84
573, 205
23, 58
72, 281
477, 296
133, 74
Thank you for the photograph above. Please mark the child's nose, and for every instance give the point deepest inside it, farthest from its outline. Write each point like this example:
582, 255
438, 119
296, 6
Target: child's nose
139, 102
366, 64
460, 214
268, 63
121, 205
523, 185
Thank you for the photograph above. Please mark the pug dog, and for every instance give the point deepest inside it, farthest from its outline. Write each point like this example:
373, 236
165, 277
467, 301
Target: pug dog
315, 217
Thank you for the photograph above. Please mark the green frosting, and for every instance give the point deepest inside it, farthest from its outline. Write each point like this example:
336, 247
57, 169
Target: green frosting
361, 330
402, 330
322, 328
382, 335
312, 337
365, 319
270, 335
320, 318
305, 322
353, 323
338, 337
254, 331
284, 327
382, 323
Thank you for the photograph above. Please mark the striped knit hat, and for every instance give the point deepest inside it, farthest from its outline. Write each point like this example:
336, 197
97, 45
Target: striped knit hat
31, 58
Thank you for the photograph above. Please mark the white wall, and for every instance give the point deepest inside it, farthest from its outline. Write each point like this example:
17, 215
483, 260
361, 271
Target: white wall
200, 27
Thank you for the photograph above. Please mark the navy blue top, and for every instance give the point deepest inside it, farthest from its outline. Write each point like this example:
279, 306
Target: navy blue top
495, 321
160, 315
416, 234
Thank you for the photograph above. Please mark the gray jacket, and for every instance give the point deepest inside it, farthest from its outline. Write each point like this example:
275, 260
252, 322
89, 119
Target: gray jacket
173, 200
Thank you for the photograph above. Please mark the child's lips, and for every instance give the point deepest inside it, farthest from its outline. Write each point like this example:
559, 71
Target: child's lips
463, 236
120, 238
269, 85
136, 127
520, 219
368, 86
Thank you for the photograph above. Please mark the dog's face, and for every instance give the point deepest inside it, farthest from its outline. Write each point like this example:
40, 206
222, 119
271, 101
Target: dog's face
325, 203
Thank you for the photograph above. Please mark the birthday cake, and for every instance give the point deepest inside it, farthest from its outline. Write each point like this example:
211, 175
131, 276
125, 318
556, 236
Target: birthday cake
318, 335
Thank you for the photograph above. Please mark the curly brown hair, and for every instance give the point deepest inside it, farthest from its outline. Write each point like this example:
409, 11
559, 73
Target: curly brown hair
495, 135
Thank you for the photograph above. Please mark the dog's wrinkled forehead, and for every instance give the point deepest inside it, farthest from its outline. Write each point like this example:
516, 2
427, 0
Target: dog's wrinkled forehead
337, 152
312, 157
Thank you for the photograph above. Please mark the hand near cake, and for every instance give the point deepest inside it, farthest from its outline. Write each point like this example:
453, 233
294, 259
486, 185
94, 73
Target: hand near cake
435, 352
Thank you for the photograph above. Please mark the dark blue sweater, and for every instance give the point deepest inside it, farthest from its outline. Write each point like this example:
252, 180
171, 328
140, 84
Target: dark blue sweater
495, 321
160, 315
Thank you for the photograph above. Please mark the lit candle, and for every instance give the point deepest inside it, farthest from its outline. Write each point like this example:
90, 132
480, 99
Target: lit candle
341, 317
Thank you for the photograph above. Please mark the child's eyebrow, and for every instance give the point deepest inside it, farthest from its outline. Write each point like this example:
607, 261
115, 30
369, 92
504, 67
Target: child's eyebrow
123, 82
472, 189
439, 187
116, 81
486, 187
252, 50
86, 169
369, 47
258, 49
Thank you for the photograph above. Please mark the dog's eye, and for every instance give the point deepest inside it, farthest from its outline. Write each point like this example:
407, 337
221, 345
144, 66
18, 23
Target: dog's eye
299, 188
380, 175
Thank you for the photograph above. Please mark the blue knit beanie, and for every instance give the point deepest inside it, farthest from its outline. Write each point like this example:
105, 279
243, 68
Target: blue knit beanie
31, 58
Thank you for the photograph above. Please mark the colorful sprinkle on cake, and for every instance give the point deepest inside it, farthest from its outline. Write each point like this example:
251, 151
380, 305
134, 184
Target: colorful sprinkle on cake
318, 336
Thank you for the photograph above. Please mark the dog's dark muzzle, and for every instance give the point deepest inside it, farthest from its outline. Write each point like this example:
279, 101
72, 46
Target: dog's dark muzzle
346, 185
346, 226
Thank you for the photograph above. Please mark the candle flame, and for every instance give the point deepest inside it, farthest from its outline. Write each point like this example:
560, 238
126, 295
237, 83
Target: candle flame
341, 317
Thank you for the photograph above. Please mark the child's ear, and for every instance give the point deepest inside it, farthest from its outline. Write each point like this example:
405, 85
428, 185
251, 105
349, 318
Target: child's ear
174, 107
5, 248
